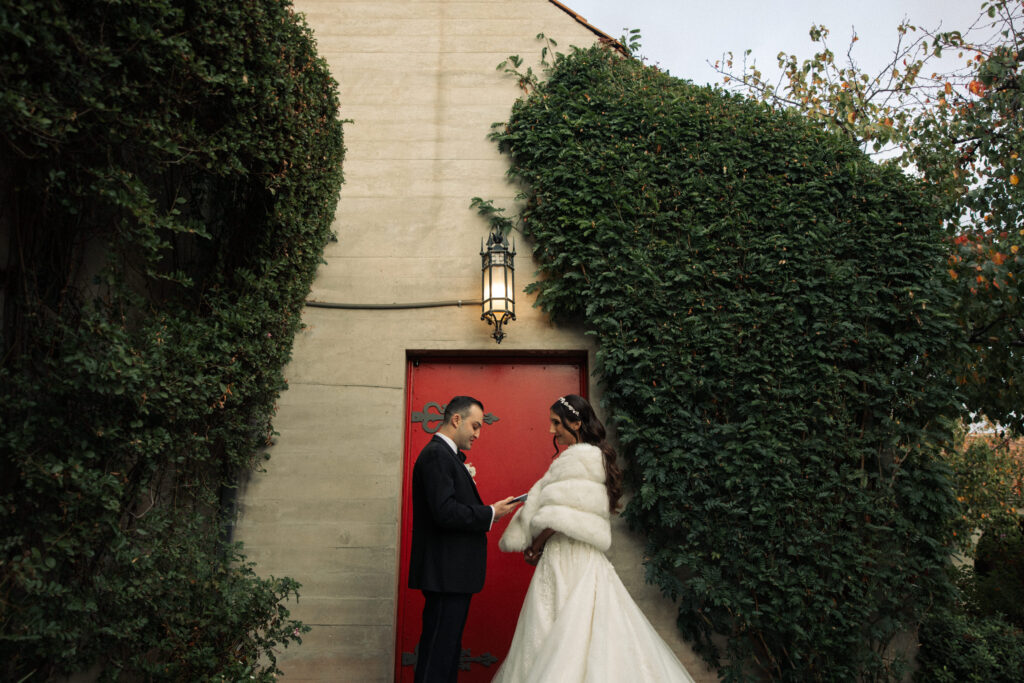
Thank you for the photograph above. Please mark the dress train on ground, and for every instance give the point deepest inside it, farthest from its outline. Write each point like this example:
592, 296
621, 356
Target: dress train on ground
579, 624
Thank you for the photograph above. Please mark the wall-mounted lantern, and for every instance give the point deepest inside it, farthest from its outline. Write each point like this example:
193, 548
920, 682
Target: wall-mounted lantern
499, 287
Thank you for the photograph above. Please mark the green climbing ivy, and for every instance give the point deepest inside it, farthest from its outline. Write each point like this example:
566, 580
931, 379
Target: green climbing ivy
169, 180
772, 324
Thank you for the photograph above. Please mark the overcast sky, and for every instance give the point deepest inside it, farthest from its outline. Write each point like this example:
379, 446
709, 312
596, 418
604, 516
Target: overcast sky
683, 35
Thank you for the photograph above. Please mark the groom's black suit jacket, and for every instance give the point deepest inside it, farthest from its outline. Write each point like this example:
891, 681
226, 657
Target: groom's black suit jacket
449, 524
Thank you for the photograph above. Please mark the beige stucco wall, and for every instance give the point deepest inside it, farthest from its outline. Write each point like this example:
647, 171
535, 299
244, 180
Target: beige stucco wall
418, 80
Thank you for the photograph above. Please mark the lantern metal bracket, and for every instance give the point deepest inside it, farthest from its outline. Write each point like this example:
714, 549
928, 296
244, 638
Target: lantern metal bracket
498, 333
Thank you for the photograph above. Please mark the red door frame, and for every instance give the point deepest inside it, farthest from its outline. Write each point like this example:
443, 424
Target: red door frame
413, 360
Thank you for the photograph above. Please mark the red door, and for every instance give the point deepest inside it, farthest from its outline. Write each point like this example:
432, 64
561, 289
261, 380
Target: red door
513, 451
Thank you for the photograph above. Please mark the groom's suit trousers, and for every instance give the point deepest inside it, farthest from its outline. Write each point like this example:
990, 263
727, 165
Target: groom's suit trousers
440, 648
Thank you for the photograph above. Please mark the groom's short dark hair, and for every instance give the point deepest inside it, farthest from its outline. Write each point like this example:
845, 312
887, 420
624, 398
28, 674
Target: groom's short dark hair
460, 405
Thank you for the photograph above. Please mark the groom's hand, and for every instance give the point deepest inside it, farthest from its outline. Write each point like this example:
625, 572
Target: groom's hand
503, 507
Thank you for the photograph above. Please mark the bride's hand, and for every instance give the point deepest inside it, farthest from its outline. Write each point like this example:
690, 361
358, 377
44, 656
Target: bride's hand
536, 549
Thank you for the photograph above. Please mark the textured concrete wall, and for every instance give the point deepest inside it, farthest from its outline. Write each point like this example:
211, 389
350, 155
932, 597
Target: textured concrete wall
418, 79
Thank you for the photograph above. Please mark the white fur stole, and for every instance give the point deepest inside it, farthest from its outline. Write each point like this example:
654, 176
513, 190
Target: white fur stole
570, 498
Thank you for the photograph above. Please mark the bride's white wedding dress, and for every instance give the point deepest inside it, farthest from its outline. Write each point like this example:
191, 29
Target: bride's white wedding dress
578, 622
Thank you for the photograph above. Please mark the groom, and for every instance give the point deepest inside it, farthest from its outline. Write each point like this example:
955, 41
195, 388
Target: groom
449, 538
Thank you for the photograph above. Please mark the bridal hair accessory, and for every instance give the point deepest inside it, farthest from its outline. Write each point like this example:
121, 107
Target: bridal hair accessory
561, 399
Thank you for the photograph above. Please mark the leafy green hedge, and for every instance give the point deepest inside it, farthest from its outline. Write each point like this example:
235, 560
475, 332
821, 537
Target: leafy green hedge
169, 179
963, 648
998, 587
772, 323
979, 637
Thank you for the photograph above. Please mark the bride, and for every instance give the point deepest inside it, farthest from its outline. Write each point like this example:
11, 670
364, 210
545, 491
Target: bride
578, 623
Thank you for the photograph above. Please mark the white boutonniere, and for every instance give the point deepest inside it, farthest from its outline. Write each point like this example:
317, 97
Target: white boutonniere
470, 469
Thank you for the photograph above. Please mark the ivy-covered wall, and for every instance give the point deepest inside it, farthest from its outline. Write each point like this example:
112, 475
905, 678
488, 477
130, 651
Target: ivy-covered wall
772, 324
170, 172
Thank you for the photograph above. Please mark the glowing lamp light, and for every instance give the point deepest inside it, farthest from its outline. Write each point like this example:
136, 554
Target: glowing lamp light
498, 281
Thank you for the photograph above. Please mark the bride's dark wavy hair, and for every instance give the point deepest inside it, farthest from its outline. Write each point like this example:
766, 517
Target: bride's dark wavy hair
591, 431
